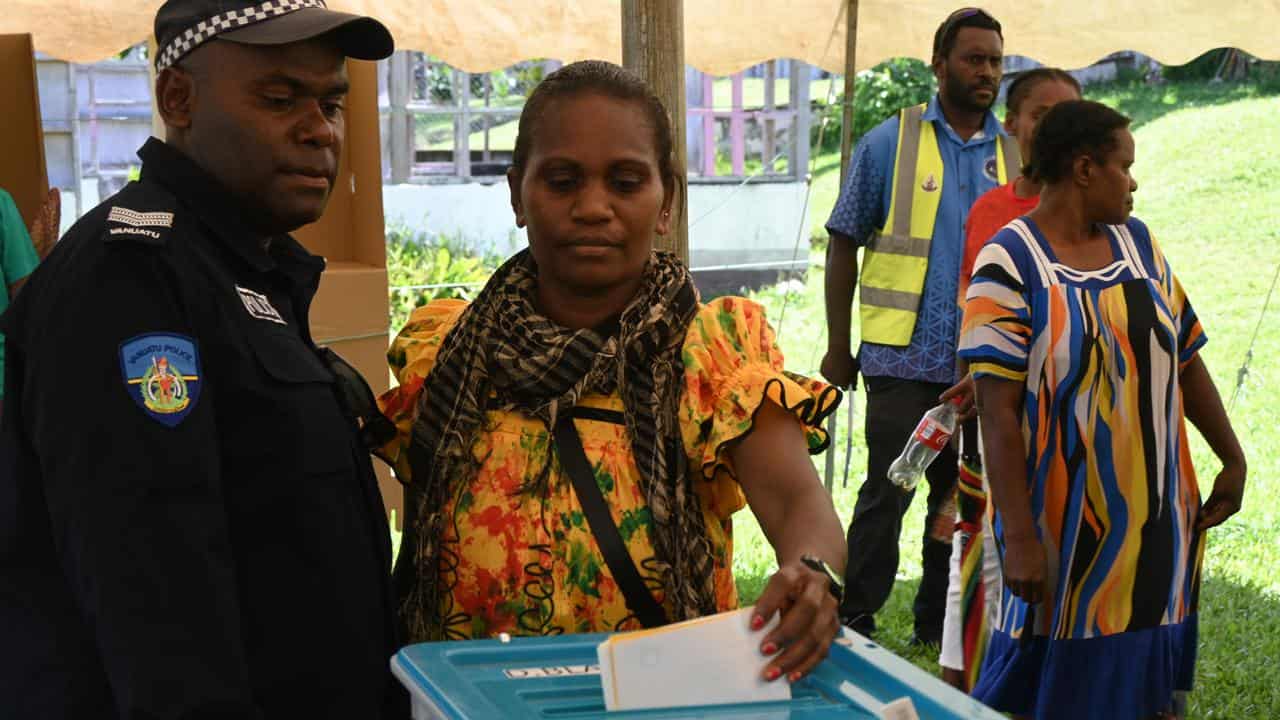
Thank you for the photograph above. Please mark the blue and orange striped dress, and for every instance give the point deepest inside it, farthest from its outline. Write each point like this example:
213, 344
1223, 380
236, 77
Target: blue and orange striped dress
1109, 474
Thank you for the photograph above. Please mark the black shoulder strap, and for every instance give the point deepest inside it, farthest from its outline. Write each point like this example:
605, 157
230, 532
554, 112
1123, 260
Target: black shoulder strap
574, 461
376, 430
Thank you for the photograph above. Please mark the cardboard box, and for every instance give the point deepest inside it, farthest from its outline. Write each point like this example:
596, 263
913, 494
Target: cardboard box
22, 165
346, 306
350, 312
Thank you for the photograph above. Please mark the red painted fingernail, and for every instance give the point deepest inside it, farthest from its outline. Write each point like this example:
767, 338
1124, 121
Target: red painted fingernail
772, 674
769, 649
794, 677
757, 622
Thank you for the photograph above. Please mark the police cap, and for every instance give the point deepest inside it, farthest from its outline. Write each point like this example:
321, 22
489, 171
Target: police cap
184, 25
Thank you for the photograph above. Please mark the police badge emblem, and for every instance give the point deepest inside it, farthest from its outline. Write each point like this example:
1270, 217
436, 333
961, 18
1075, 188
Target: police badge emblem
990, 169
162, 374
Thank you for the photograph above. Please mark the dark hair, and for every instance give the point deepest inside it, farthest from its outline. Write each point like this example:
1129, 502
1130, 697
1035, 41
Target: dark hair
944, 39
1071, 129
603, 78
1025, 82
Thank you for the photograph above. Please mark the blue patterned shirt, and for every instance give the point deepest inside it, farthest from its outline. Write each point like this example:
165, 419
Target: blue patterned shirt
863, 206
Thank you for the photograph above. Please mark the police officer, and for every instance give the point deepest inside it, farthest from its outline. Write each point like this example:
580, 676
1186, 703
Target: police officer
189, 527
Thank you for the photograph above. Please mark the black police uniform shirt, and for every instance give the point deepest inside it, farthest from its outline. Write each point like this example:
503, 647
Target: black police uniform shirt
187, 523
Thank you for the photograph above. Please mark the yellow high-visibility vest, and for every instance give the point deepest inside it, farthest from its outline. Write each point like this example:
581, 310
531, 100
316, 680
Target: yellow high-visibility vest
896, 258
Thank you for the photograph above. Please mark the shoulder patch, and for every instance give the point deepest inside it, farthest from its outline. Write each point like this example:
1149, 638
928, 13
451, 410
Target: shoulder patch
162, 374
149, 228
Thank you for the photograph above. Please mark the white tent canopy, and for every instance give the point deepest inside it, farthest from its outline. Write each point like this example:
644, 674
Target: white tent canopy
722, 36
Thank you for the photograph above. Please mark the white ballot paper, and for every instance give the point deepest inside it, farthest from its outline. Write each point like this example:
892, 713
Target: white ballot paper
709, 661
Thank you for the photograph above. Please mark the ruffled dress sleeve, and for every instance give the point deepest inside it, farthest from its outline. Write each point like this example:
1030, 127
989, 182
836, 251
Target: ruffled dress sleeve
411, 357
732, 365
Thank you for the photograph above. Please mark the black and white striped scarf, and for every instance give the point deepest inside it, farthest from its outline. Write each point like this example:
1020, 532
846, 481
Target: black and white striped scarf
503, 354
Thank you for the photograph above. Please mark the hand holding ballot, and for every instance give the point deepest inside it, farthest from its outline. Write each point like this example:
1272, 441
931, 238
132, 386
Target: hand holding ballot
805, 593
718, 659
712, 660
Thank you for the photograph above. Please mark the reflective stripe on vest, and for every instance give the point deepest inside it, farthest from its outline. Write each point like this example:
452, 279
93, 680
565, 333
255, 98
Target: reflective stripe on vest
896, 259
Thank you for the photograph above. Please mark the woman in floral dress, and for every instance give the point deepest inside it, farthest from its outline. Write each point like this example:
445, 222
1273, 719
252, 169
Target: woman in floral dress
684, 411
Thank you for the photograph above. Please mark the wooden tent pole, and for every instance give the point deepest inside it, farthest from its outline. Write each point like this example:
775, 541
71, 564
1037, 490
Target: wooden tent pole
653, 48
850, 72
846, 151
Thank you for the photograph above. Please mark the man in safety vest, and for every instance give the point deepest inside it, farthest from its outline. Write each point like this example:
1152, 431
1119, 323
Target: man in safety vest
908, 190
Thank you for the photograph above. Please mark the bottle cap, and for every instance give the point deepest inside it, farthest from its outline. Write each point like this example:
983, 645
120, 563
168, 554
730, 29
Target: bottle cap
957, 400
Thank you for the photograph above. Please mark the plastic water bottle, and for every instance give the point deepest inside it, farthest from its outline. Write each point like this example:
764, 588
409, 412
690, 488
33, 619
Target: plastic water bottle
930, 436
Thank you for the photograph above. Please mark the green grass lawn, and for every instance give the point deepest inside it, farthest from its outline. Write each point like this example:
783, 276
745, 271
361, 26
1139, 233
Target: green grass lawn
435, 132
1209, 188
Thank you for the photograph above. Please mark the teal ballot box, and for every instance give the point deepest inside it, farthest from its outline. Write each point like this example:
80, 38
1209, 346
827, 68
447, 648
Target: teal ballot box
559, 678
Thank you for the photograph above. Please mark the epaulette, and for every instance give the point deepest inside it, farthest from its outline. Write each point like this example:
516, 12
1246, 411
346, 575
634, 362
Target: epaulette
147, 226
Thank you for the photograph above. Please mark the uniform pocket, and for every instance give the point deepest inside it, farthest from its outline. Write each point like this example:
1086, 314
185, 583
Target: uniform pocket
287, 359
300, 410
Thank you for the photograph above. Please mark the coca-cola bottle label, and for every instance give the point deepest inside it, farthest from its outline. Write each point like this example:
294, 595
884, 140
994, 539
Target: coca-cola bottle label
931, 433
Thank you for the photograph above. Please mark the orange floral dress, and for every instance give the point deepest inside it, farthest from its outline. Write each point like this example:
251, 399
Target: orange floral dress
528, 565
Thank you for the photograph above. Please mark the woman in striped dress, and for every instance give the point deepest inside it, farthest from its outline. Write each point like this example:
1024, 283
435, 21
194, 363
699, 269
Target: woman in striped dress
1085, 349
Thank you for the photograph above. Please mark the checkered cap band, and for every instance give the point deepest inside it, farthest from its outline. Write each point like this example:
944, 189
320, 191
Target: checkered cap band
208, 29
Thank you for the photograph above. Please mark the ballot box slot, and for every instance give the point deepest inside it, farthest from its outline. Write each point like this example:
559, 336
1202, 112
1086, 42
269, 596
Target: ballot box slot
552, 704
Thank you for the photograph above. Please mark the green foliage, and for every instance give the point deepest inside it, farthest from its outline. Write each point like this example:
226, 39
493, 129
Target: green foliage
436, 80
1225, 64
1126, 75
878, 93
415, 259
525, 76
1201, 69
